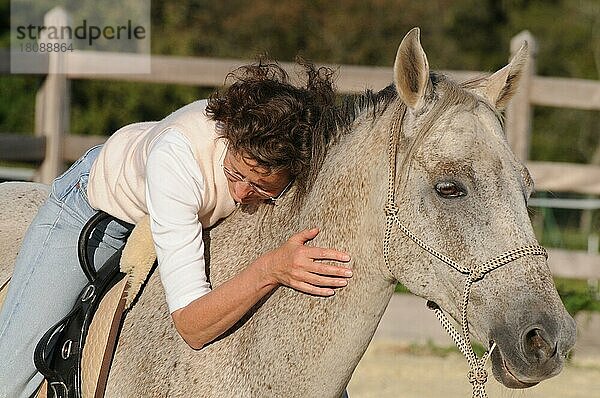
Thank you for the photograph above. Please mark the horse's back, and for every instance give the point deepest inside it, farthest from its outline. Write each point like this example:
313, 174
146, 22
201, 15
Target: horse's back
19, 203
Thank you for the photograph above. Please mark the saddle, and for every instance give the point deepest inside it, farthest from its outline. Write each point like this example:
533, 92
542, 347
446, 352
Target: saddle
75, 354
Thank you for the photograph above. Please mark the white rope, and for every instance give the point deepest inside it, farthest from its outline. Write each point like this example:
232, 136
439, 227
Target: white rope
477, 374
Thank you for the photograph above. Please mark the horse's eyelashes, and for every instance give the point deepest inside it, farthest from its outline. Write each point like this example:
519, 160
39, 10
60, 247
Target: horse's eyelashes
450, 189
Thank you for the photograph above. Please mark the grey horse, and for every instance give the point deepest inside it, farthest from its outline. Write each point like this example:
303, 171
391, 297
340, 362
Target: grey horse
457, 188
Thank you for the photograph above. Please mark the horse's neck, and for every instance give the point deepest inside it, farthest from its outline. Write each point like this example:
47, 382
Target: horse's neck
327, 336
293, 344
351, 186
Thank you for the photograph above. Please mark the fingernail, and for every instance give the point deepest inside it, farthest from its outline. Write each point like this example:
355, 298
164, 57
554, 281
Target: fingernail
345, 257
348, 273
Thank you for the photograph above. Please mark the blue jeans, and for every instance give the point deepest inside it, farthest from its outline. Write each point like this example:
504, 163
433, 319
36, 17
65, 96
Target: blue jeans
47, 277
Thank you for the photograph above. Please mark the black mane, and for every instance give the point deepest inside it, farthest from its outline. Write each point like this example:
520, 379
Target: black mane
369, 101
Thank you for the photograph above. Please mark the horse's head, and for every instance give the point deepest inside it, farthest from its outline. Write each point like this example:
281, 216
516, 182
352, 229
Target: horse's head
461, 190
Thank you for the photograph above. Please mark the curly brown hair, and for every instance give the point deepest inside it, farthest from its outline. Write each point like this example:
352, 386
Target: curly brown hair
280, 125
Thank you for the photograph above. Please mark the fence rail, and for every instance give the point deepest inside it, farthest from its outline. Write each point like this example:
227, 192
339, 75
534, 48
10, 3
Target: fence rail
210, 72
574, 264
22, 148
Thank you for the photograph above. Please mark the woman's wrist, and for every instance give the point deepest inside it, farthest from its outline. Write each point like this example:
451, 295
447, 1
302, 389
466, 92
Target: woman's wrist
262, 271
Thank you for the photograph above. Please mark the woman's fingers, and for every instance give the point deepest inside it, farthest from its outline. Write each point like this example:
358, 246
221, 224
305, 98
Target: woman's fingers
317, 253
328, 269
318, 278
305, 268
325, 281
320, 253
314, 290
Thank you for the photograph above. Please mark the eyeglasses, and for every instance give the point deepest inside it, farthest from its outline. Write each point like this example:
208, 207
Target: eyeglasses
236, 177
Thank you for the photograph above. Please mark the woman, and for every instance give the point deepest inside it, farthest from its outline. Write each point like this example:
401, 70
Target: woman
245, 146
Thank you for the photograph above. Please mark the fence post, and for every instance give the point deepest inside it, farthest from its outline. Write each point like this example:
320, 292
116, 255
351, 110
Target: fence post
53, 101
519, 112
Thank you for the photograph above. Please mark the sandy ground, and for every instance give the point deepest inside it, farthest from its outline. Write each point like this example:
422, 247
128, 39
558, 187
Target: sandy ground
389, 369
400, 363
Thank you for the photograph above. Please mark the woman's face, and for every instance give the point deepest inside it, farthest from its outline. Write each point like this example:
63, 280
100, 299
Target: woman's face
250, 183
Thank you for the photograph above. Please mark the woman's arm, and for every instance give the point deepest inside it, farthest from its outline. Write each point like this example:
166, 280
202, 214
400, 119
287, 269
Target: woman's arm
174, 194
293, 264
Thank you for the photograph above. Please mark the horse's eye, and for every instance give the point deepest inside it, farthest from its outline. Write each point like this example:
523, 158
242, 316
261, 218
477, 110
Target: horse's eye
448, 189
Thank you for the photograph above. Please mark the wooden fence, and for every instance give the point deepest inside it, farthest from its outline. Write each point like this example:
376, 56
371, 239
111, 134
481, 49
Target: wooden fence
53, 146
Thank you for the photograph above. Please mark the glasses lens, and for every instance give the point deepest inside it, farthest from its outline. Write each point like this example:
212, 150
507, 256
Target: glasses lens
232, 175
260, 191
235, 177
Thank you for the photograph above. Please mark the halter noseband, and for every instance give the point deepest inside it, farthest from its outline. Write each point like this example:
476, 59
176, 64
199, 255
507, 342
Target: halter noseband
477, 374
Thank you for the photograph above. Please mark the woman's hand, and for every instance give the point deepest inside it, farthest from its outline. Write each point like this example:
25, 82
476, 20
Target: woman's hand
302, 268
293, 264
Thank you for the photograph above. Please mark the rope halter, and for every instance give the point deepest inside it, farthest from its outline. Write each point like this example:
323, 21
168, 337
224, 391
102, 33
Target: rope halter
477, 374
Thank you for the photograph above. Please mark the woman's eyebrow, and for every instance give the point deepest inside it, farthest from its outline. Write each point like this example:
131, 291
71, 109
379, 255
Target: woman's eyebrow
262, 184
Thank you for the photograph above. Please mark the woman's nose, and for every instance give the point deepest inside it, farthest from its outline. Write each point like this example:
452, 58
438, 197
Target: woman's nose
242, 189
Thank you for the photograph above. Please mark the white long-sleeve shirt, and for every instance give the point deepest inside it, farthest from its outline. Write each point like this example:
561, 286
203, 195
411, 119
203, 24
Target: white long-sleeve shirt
171, 170
174, 191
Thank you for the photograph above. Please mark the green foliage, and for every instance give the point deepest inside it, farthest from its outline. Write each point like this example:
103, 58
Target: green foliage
400, 288
567, 33
17, 103
578, 295
431, 348
565, 135
564, 228
115, 104
479, 349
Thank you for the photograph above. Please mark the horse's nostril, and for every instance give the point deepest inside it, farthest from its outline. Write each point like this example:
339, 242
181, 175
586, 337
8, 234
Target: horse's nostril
537, 347
534, 339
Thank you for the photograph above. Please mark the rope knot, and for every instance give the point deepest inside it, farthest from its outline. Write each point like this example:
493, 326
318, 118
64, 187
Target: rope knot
391, 209
476, 274
477, 376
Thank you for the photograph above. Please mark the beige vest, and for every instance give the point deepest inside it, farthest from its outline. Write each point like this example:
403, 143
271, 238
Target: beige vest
117, 182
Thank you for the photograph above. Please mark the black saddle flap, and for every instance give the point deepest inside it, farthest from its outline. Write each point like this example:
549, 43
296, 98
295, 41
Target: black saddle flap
58, 354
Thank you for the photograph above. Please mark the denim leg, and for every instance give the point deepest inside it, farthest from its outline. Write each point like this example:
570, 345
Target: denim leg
47, 278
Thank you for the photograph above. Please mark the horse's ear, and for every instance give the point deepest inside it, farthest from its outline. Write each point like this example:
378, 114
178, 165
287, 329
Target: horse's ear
502, 85
411, 70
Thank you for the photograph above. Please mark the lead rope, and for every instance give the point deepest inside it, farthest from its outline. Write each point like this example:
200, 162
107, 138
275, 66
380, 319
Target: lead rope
477, 374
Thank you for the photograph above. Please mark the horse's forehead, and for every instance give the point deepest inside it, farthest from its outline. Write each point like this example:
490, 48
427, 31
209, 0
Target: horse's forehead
463, 131
468, 140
